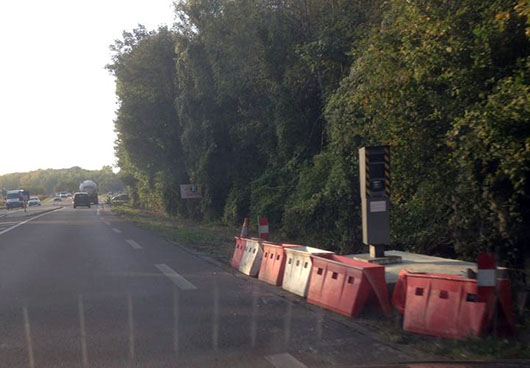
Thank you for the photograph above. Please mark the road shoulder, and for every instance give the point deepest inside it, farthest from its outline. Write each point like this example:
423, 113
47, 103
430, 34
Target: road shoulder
214, 243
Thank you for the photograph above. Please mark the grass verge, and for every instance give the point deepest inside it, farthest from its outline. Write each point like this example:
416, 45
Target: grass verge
472, 349
217, 241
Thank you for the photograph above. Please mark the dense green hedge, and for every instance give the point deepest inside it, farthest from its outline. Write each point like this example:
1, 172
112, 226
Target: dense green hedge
265, 103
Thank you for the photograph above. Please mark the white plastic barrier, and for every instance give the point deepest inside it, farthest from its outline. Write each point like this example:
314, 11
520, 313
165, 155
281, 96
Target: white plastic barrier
298, 268
251, 260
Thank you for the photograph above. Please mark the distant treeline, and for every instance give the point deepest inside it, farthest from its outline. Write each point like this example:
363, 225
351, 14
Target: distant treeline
51, 181
266, 102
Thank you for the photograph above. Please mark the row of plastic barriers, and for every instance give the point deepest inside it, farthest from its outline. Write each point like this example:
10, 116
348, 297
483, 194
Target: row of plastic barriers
434, 304
334, 282
453, 306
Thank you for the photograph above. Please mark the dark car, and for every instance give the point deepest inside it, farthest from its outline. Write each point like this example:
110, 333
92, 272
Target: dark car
81, 199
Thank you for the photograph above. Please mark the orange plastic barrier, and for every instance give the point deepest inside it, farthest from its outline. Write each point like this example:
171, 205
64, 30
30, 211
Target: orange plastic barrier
273, 263
344, 285
451, 306
238, 251
444, 307
400, 289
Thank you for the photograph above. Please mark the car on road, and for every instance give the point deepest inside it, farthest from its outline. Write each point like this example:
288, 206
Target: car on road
16, 198
57, 199
34, 201
120, 198
81, 199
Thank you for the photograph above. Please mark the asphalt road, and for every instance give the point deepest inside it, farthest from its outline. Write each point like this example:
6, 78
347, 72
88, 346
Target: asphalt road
17, 215
82, 288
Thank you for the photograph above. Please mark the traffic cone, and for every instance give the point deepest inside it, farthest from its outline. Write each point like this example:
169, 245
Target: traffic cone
263, 227
244, 228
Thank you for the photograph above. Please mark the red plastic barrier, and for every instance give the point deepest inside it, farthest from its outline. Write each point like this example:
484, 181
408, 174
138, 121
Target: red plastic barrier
344, 285
451, 306
273, 263
239, 250
400, 289
444, 307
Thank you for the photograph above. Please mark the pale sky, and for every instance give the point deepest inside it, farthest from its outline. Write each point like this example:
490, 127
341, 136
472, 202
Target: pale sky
57, 102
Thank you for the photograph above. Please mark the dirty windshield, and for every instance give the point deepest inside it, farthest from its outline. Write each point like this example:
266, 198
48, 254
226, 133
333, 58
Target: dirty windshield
265, 183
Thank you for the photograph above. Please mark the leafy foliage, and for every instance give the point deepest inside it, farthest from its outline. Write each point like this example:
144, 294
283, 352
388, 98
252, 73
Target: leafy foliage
51, 181
265, 103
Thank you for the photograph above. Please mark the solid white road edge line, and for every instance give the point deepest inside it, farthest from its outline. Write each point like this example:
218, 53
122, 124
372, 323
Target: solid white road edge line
117, 231
178, 280
28, 220
284, 360
133, 244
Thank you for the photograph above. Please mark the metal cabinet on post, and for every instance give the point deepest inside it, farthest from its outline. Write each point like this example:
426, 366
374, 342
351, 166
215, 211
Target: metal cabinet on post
374, 172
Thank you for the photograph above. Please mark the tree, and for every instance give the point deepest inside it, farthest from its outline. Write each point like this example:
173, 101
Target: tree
148, 145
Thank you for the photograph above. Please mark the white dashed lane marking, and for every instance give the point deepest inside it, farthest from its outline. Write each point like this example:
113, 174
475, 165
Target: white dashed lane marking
284, 360
133, 244
117, 231
177, 279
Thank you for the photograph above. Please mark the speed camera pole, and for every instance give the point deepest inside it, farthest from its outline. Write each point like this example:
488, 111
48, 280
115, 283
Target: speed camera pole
374, 170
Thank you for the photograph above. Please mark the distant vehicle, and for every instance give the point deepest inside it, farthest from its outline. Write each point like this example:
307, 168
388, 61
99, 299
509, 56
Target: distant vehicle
120, 198
90, 187
34, 201
81, 199
57, 199
16, 198
63, 194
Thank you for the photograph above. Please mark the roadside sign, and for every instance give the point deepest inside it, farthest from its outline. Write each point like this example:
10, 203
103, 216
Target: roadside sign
188, 191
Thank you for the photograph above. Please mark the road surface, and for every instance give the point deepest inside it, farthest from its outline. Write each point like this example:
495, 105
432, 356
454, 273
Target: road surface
83, 288
17, 215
